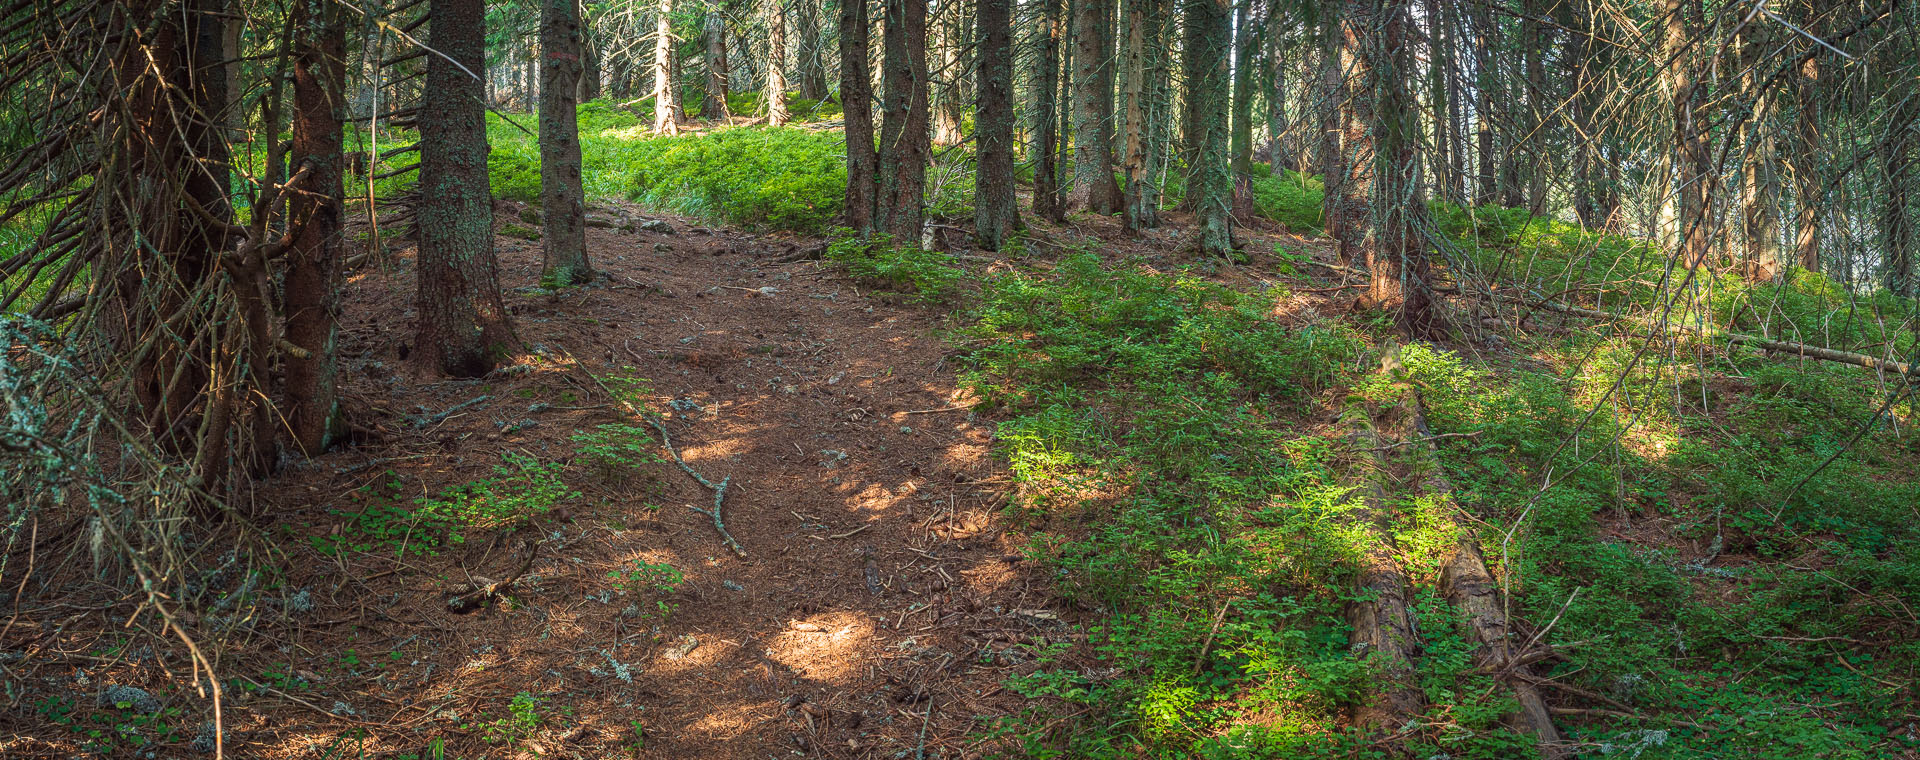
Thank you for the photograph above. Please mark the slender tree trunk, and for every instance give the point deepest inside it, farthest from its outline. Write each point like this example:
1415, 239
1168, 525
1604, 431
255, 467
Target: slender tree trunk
562, 200
1584, 54
946, 82
1046, 85
1244, 35
1143, 101
313, 269
1691, 154
1209, 178
1534, 44
713, 107
813, 70
904, 147
1440, 74
666, 94
463, 328
1896, 218
1094, 187
994, 212
776, 63
856, 104
590, 64
1279, 156
1351, 203
1806, 168
1759, 220
1330, 106
1396, 252
1486, 83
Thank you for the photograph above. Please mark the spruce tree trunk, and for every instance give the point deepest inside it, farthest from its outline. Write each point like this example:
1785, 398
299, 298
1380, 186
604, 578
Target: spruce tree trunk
994, 212
1279, 156
590, 69
463, 328
856, 105
563, 202
1244, 35
314, 258
1094, 187
1759, 222
1896, 221
904, 133
1534, 42
1046, 85
776, 64
946, 83
1329, 107
1806, 171
1486, 164
813, 70
1209, 177
1351, 203
1396, 251
1142, 99
713, 107
1691, 156
666, 96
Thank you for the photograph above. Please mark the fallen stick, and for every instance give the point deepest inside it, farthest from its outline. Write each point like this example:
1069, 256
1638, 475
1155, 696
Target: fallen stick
1767, 344
719, 489
472, 600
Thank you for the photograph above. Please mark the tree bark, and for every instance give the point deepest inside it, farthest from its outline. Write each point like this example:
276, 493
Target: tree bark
1143, 100
1759, 220
590, 68
1806, 168
813, 71
666, 96
994, 212
562, 200
1209, 177
904, 147
1349, 218
1244, 55
776, 63
1046, 85
856, 105
946, 83
1691, 156
1396, 251
713, 106
1896, 220
1094, 187
313, 269
462, 325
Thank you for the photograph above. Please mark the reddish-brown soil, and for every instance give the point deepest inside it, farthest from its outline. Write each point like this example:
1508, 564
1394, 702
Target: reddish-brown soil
877, 611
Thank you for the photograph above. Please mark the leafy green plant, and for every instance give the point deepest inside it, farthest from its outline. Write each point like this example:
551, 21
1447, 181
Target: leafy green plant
615, 449
925, 276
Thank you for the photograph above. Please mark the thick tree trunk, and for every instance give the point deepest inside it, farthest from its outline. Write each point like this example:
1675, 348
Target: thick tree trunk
1046, 85
1094, 187
463, 328
313, 268
1383, 631
904, 147
666, 95
713, 107
562, 200
994, 212
1209, 177
856, 105
776, 64
1143, 100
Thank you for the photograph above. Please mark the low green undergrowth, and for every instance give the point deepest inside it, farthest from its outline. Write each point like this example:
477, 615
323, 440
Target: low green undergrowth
922, 276
1149, 440
521, 489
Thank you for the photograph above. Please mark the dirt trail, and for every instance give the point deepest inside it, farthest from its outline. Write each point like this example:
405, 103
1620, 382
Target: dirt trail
878, 606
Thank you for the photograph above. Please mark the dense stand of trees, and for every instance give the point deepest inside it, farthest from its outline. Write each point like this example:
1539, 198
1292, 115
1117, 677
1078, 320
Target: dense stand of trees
1753, 138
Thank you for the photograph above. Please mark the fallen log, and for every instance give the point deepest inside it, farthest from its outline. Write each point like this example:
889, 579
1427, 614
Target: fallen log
1807, 350
1472, 591
1383, 632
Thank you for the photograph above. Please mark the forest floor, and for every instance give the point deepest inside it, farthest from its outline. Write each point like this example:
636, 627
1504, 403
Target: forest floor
875, 606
